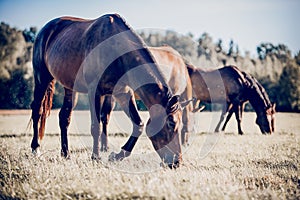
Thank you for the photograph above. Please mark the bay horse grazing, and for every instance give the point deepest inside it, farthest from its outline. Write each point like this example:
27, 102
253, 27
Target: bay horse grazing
236, 89
174, 71
270, 107
98, 57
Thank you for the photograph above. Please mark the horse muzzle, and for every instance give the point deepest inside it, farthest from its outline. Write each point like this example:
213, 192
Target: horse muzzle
169, 158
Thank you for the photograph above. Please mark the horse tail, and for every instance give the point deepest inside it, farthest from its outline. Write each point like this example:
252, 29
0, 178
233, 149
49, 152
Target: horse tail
46, 108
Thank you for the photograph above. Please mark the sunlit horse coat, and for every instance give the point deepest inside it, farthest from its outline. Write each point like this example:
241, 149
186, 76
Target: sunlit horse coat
174, 71
99, 57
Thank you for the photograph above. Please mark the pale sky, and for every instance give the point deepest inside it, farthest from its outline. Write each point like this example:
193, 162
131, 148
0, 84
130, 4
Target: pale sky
247, 22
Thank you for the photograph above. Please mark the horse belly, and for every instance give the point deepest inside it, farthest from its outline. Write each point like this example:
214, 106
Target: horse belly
64, 63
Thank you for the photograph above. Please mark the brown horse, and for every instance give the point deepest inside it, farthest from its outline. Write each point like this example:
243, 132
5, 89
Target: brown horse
232, 88
270, 109
175, 74
100, 57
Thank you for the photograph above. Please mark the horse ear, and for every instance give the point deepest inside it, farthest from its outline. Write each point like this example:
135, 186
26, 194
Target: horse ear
273, 106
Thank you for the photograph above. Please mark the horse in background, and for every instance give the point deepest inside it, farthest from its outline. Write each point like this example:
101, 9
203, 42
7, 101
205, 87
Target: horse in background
238, 87
175, 73
99, 57
270, 107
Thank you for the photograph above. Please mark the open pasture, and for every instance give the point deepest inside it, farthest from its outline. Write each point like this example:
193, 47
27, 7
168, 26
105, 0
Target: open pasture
215, 166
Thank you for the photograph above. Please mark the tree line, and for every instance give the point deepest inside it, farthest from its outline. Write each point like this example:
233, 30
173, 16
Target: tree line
274, 65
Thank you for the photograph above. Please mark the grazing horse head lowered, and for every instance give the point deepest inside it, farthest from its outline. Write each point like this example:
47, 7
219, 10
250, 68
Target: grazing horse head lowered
98, 57
261, 103
238, 88
174, 71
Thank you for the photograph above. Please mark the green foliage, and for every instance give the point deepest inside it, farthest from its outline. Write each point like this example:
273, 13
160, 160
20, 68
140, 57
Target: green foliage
288, 88
29, 35
16, 92
297, 58
16, 82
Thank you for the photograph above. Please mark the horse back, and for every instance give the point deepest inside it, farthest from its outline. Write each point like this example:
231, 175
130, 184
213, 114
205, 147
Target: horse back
172, 66
63, 44
234, 81
218, 85
57, 49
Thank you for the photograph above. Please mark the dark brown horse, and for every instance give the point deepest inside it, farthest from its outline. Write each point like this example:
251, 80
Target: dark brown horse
270, 107
100, 57
232, 88
175, 74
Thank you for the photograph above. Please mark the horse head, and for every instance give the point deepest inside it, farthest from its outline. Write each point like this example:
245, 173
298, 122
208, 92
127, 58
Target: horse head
163, 129
260, 101
266, 119
264, 124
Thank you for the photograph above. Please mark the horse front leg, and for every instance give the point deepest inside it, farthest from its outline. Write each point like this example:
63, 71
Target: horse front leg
186, 121
70, 100
230, 112
238, 115
224, 111
107, 107
127, 102
94, 101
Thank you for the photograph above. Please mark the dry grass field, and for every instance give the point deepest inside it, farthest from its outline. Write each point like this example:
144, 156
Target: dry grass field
216, 166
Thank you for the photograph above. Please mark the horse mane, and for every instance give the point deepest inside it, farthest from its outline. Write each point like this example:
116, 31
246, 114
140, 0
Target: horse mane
146, 53
256, 89
117, 16
264, 93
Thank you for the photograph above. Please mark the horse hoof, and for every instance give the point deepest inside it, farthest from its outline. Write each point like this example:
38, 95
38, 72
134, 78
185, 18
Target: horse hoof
186, 144
36, 152
118, 157
95, 157
169, 165
104, 149
65, 155
112, 157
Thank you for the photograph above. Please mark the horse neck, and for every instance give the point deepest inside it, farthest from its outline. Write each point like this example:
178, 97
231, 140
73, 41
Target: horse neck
137, 64
264, 95
156, 91
144, 77
257, 101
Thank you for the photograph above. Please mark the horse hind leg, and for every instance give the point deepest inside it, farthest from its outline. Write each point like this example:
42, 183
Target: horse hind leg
185, 128
95, 106
70, 100
238, 115
39, 94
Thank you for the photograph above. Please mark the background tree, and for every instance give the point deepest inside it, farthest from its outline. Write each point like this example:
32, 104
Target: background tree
288, 88
274, 66
297, 58
15, 69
